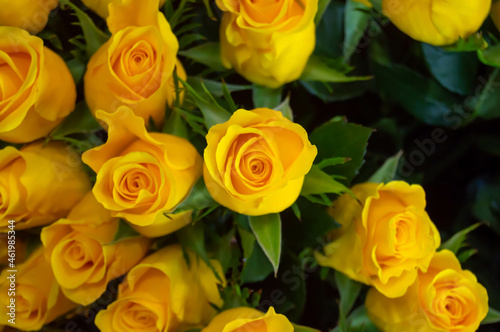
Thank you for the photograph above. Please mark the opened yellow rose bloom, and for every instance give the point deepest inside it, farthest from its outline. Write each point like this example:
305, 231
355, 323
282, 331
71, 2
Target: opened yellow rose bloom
163, 293
30, 15
135, 67
267, 42
142, 176
437, 22
255, 162
37, 90
384, 239
80, 252
39, 184
445, 298
250, 320
100, 7
38, 297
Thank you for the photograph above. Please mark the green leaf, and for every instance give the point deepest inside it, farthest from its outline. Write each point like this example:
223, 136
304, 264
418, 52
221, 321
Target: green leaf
315, 222
94, 38
80, 120
234, 297
318, 182
207, 54
341, 139
124, 231
329, 30
229, 99
215, 87
489, 99
77, 69
222, 248
466, 254
209, 10
318, 70
377, 5
267, 231
331, 92
187, 40
490, 56
358, 321
456, 242
486, 206
332, 162
472, 43
285, 108
322, 5
456, 71
356, 20
198, 199
192, 237
266, 97
387, 171
212, 112
492, 317
300, 328
349, 291
257, 266
422, 97
175, 125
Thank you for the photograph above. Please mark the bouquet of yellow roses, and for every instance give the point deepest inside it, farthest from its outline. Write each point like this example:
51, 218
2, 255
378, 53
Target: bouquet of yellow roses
249, 165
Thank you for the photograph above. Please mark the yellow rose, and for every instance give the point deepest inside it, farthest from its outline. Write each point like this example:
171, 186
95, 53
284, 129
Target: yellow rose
30, 15
39, 184
37, 89
384, 239
135, 67
38, 299
445, 298
267, 42
437, 22
79, 252
248, 320
100, 7
255, 162
141, 176
163, 293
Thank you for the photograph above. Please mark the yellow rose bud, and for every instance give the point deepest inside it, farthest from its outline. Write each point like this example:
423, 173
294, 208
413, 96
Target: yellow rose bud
163, 293
248, 319
141, 176
437, 22
38, 298
30, 15
79, 251
39, 184
135, 67
37, 89
267, 42
100, 7
384, 239
445, 298
255, 162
